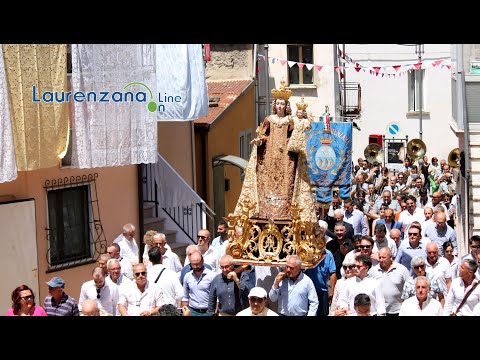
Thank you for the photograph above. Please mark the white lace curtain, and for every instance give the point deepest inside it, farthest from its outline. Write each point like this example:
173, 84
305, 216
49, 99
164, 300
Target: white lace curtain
113, 133
181, 72
8, 167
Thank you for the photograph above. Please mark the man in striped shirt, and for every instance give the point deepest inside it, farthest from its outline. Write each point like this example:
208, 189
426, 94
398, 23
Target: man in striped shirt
58, 303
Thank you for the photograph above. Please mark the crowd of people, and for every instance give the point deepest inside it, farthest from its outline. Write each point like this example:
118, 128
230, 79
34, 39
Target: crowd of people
391, 248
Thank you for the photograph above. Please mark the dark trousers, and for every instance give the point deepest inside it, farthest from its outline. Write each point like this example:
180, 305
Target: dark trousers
322, 303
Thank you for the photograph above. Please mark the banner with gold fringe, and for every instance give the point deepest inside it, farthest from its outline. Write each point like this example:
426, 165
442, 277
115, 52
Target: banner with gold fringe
329, 158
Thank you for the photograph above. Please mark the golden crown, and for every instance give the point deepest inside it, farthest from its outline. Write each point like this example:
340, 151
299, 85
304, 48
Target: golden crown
282, 93
302, 105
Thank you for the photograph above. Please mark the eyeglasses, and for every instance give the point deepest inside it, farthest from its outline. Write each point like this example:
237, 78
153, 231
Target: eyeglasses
357, 247
201, 237
419, 267
27, 297
475, 246
143, 273
98, 292
349, 267
256, 299
413, 234
115, 269
364, 246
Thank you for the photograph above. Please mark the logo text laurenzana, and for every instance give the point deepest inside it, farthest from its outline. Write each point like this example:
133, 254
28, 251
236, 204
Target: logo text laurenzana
107, 96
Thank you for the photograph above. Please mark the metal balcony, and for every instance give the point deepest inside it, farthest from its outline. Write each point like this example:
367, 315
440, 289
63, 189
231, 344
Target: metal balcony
350, 99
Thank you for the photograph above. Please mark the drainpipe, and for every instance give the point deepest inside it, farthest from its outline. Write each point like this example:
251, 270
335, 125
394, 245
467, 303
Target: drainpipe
267, 85
254, 77
463, 119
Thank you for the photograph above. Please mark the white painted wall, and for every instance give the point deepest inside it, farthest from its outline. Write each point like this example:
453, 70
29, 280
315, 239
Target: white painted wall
317, 96
385, 100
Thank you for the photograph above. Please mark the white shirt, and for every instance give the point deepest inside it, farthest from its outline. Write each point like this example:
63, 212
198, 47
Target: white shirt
136, 302
211, 257
387, 242
145, 258
369, 286
171, 261
218, 242
108, 296
455, 297
265, 312
441, 269
406, 219
169, 283
430, 307
128, 248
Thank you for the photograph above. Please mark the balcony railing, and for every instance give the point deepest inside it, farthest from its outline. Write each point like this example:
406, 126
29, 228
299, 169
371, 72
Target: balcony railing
350, 99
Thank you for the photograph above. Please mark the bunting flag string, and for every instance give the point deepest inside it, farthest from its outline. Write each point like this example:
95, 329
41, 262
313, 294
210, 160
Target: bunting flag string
388, 71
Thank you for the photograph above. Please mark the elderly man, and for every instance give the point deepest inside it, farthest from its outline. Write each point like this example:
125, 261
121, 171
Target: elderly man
126, 266
440, 232
115, 276
439, 266
257, 299
294, 291
421, 304
90, 308
169, 259
228, 290
58, 303
127, 243
436, 287
392, 277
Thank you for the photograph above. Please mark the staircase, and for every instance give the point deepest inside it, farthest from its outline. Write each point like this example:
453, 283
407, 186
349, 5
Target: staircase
150, 222
171, 206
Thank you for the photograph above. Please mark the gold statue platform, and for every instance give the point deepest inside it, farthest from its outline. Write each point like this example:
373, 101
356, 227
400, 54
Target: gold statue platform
264, 242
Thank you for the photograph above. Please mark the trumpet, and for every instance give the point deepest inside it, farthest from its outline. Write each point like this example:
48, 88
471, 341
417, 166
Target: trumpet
404, 190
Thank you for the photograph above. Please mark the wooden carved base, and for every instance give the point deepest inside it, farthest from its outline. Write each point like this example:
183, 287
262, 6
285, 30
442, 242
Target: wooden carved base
269, 242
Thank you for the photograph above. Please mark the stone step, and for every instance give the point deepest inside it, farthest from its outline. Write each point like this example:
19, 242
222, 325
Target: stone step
152, 223
148, 210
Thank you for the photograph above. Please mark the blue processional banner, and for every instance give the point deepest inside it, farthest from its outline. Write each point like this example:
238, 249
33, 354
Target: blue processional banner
329, 158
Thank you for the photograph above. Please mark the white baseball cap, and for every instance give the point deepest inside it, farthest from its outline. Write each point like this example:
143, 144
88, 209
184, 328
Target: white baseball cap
258, 292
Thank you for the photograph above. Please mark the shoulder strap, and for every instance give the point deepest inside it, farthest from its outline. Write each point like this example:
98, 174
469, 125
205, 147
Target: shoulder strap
158, 277
466, 296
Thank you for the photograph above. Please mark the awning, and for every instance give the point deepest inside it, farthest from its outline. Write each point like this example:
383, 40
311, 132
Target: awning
230, 160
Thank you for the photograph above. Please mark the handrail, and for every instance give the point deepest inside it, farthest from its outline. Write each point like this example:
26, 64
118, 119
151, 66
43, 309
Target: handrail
165, 188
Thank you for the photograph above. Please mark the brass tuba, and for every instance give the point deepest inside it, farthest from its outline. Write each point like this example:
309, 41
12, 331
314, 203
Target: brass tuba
416, 149
453, 157
373, 152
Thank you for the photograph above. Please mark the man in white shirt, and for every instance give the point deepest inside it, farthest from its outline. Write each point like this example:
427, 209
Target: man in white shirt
140, 298
128, 245
210, 254
421, 304
99, 290
126, 266
165, 278
169, 259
